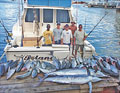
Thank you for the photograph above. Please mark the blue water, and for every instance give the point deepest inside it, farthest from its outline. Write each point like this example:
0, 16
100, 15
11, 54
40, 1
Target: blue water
105, 38
8, 15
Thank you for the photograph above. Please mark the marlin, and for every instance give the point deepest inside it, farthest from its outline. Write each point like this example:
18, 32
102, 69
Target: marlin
73, 79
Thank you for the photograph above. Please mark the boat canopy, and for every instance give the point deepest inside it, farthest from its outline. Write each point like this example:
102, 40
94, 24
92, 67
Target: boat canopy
50, 3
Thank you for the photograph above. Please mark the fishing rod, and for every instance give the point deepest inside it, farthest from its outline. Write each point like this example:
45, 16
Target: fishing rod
85, 24
84, 36
96, 25
9, 34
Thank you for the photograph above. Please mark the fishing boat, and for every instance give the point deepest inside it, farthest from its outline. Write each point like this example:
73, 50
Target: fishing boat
30, 26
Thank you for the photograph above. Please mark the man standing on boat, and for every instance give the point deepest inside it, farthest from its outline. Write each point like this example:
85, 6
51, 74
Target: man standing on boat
73, 28
66, 36
48, 35
57, 32
79, 37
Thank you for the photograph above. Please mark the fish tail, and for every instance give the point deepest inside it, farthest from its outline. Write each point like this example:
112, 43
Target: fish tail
41, 80
90, 87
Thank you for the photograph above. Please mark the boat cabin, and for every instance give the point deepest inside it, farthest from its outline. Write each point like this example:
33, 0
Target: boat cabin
45, 16
37, 14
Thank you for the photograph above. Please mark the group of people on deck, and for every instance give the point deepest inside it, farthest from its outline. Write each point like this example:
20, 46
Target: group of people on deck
69, 35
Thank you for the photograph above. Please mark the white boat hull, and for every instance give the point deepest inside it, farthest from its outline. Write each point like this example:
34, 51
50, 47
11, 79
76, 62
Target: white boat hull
46, 52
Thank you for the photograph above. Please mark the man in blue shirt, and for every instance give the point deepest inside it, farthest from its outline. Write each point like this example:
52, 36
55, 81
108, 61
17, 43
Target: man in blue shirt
57, 34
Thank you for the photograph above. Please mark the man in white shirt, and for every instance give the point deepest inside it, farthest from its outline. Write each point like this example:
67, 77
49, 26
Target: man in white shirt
66, 36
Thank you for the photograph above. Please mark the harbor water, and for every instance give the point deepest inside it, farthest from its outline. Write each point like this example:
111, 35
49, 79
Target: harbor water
105, 37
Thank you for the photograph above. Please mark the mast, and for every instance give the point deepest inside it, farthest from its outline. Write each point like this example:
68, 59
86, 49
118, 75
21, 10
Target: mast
19, 11
36, 26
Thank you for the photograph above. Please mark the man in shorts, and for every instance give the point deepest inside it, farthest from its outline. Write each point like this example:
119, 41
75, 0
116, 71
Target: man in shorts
79, 37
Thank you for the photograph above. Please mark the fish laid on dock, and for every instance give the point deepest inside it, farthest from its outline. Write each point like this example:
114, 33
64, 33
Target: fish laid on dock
76, 72
73, 79
10, 73
56, 62
34, 73
20, 66
2, 70
24, 75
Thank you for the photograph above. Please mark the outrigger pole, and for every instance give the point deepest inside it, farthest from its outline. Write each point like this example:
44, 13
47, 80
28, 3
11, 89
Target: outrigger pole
37, 28
96, 25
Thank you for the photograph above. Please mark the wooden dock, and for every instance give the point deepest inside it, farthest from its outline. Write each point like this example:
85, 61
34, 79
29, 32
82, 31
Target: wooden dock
109, 85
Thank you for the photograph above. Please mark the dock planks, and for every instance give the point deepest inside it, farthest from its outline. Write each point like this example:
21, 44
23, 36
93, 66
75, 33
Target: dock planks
27, 86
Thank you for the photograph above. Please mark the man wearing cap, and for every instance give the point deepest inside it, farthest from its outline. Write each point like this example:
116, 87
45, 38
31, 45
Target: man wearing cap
48, 36
73, 28
57, 34
66, 36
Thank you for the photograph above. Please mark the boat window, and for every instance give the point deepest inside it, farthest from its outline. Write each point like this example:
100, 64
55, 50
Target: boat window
48, 15
30, 16
62, 16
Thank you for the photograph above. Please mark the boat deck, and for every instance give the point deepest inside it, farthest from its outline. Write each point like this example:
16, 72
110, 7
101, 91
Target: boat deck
109, 85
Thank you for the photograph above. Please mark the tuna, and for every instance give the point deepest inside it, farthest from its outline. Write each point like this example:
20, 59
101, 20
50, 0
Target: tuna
24, 69
68, 64
24, 75
38, 67
20, 66
2, 70
111, 73
106, 65
113, 68
7, 65
10, 73
56, 62
117, 64
74, 63
47, 65
63, 64
34, 73
14, 64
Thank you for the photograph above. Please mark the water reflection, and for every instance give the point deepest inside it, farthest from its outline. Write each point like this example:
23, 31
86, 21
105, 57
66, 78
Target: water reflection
9, 15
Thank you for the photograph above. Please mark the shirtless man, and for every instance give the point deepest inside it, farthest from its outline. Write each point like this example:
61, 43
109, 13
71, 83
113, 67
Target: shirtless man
73, 28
